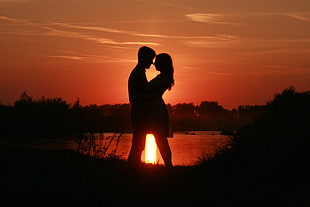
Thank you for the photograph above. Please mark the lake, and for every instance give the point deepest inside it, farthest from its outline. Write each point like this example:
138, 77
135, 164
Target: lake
186, 147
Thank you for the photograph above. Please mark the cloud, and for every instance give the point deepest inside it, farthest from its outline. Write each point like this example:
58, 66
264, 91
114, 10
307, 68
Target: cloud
51, 31
212, 18
13, 1
285, 69
110, 30
217, 41
221, 37
9, 19
78, 56
67, 57
101, 29
98, 39
83, 32
59, 29
300, 16
218, 18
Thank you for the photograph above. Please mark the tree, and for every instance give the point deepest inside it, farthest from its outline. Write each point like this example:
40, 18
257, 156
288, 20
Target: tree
184, 117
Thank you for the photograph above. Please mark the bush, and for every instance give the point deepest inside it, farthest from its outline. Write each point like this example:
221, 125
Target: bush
277, 141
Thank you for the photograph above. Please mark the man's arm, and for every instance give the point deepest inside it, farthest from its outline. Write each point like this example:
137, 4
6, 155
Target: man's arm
139, 89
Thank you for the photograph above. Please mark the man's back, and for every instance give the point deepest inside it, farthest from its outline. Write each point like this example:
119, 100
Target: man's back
137, 83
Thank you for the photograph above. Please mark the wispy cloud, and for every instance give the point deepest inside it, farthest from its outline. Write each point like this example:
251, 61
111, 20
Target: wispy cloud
83, 32
13, 1
102, 40
221, 40
78, 56
276, 50
51, 31
67, 57
229, 18
217, 41
213, 18
264, 52
285, 69
101, 29
110, 30
302, 16
5, 18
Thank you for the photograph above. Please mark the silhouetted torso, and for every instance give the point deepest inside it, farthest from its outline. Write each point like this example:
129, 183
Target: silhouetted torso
158, 113
137, 83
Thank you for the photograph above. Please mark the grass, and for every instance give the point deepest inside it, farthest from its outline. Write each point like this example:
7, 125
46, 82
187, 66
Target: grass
59, 177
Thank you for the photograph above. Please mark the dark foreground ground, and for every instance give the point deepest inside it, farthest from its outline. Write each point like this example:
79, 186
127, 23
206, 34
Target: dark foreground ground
64, 178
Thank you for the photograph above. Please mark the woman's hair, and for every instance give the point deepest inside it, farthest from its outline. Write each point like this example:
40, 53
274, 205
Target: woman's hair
164, 64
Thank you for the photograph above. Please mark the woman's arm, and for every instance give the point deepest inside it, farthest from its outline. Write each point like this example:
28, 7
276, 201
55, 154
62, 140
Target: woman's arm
153, 89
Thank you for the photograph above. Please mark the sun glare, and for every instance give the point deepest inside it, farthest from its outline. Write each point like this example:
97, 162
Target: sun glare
150, 149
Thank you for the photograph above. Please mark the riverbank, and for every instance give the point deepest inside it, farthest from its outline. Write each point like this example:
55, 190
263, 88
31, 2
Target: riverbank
61, 177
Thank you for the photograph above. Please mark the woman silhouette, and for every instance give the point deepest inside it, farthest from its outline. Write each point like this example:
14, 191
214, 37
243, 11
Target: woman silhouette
159, 124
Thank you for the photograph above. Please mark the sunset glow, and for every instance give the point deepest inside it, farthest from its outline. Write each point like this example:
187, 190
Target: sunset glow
150, 149
233, 52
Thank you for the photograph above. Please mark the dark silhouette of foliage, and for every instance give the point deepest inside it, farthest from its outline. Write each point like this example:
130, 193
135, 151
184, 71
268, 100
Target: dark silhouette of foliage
214, 117
41, 116
183, 117
56, 116
275, 142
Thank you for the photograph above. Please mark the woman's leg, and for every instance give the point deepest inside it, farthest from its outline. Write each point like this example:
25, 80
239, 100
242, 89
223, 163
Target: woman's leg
164, 148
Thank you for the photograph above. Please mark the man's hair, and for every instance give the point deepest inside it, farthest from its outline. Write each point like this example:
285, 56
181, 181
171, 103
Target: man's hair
145, 52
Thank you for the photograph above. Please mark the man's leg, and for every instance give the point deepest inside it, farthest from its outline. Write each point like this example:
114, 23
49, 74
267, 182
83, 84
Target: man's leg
137, 146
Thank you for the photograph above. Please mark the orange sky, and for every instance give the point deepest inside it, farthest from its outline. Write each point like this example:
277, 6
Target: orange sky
234, 52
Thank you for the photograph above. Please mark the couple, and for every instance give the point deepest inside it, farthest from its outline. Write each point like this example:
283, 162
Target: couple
148, 110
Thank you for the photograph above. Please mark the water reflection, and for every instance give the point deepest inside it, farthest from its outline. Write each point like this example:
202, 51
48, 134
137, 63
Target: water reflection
150, 150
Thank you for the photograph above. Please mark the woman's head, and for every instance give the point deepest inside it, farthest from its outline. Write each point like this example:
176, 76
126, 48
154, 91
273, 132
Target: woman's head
163, 63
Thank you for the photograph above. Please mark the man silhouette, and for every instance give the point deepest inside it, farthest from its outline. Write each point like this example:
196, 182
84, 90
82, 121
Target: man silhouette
138, 98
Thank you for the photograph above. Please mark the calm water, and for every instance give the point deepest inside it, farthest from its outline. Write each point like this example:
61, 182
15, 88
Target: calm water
186, 147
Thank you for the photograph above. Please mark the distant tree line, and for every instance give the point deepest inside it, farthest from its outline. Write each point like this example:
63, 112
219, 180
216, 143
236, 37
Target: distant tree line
55, 116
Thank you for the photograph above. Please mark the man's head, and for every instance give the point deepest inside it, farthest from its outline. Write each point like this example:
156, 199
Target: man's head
146, 56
